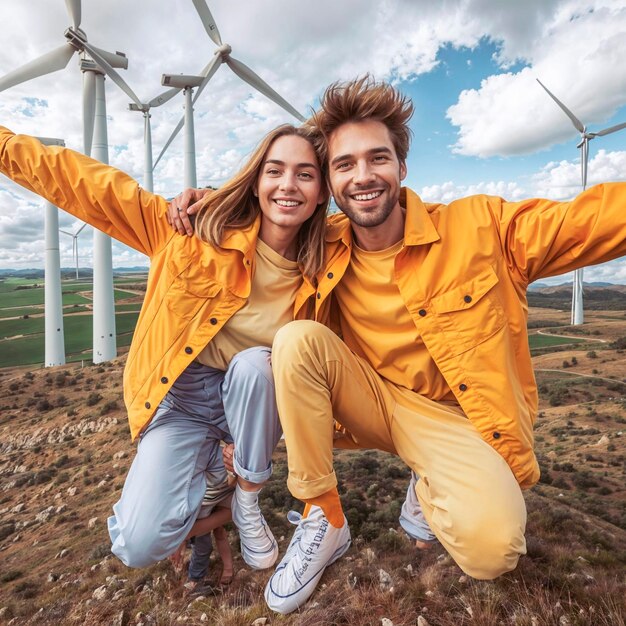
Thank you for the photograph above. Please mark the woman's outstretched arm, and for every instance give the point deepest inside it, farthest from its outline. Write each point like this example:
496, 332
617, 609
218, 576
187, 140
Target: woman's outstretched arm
96, 193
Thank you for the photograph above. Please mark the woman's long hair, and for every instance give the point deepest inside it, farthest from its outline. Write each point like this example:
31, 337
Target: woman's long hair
234, 205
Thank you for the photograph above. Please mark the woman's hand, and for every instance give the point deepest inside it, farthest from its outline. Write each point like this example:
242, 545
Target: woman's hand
182, 206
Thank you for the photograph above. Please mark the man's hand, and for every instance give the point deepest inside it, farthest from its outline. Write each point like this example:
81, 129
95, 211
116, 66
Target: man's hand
182, 206
227, 452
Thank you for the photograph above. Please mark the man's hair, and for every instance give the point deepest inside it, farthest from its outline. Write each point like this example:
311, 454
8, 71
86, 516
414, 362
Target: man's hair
358, 100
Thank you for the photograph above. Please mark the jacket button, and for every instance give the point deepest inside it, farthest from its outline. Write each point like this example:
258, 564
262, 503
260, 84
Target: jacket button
213, 321
422, 312
330, 275
319, 295
164, 380
467, 299
463, 387
188, 350
147, 405
496, 435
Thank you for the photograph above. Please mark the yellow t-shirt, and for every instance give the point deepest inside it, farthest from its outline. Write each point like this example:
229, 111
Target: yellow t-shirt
275, 281
377, 326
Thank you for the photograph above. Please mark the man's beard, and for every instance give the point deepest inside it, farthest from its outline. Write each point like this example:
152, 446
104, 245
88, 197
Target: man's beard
367, 219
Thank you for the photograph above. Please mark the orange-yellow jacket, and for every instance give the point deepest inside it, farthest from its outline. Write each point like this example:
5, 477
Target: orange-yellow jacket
193, 288
463, 273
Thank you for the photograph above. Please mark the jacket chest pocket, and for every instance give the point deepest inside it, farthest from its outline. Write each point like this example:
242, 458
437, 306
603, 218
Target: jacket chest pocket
470, 313
188, 291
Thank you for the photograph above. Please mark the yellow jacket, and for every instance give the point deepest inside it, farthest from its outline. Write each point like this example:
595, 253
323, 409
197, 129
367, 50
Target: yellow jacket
193, 288
463, 274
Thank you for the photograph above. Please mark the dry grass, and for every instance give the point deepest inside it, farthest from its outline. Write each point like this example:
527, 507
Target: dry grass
573, 573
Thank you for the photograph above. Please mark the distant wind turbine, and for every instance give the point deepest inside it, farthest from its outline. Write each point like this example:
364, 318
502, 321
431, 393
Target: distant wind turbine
74, 237
577, 315
221, 55
145, 108
94, 63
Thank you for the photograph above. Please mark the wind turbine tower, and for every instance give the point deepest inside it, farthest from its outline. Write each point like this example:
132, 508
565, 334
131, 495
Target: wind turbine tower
54, 336
577, 315
144, 108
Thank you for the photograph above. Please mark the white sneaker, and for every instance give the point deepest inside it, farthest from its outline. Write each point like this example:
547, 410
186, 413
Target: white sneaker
258, 546
412, 517
315, 544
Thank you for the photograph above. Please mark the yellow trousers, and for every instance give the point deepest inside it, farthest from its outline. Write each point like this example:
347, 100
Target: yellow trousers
467, 492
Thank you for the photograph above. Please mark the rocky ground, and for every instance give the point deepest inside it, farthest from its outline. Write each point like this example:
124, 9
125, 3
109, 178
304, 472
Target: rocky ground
65, 449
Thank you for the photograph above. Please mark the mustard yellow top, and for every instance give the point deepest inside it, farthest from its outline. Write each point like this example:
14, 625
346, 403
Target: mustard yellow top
379, 327
275, 281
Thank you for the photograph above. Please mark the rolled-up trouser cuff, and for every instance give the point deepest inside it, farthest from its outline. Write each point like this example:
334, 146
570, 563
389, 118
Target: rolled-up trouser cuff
253, 477
307, 489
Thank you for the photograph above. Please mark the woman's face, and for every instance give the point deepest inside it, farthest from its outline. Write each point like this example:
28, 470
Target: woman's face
289, 186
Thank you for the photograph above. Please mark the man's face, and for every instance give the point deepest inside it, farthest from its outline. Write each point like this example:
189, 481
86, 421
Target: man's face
364, 172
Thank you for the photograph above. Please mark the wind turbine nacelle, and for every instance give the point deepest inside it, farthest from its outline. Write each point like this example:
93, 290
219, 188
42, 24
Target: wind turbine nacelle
51, 141
181, 81
135, 107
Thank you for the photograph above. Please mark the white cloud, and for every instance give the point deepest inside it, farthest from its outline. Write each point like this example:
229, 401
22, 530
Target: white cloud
578, 53
561, 181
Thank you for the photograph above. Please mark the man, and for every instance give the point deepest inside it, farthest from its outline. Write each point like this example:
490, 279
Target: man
433, 362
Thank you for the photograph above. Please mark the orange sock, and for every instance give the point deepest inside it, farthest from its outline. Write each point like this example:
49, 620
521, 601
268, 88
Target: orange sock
329, 503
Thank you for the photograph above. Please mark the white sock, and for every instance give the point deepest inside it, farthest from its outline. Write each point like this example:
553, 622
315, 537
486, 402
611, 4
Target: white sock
246, 497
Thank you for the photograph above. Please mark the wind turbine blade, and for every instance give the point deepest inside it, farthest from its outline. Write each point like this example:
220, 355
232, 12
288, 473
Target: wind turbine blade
169, 141
50, 62
73, 8
577, 123
163, 97
112, 74
78, 231
608, 131
114, 59
89, 110
208, 72
246, 74
207, 20
64, 231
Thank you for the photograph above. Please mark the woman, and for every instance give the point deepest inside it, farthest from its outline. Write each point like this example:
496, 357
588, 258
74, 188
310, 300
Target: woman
195, 373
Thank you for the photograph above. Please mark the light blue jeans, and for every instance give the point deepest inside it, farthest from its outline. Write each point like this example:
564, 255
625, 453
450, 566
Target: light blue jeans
164, 487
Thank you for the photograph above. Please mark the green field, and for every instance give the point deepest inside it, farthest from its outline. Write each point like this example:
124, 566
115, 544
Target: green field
78, 339
546, 341
30, 310
35, 296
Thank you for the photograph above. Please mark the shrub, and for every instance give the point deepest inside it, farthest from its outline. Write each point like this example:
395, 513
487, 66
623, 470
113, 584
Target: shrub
93, 399
44, 405
592, 354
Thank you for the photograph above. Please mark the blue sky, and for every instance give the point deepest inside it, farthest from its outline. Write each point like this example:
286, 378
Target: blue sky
481, 125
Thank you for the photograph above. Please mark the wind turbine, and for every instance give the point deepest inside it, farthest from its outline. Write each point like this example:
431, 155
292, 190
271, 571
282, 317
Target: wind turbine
94, 63
221, 55
54, 336
577, 315
144, 108
74, 237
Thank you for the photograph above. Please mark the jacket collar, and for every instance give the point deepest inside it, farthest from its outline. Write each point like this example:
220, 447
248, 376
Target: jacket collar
244, 239
418, 226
